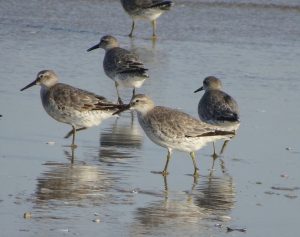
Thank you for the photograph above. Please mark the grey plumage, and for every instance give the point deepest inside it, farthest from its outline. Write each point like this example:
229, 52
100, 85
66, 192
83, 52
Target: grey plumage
174, 129
121, 65
66, 97
172, 124
216, 106
79, 108
136, 7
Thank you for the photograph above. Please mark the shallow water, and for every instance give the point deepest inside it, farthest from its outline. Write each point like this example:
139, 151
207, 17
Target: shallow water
253, 46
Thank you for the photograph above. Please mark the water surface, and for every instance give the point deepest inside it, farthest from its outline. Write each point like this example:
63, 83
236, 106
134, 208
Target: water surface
253, 46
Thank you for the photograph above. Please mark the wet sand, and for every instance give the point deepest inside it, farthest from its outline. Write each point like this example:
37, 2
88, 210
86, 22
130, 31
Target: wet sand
111, 189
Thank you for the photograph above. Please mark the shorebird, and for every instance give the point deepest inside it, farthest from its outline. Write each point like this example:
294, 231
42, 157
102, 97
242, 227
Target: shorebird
173, 129
217, 107
122, 66
145, 9
79, 108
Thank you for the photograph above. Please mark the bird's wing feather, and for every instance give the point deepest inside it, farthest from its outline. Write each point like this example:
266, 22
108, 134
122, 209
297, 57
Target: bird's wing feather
221, 107
178, 124
77, 99
125, 61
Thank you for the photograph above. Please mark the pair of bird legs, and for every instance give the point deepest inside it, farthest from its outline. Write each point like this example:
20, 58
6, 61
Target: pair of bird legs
215, 155
164, 172
192, 154
153, 23
119, 98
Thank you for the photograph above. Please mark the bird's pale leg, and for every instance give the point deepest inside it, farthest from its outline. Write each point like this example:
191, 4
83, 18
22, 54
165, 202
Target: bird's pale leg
80, 129
119, 98
153, 28
71, 132
73, 140
132, 28
196, 169
165, 172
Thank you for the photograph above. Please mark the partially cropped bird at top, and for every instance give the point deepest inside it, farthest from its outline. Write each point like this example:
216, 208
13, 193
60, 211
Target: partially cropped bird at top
79, 108
122, 66
147, 10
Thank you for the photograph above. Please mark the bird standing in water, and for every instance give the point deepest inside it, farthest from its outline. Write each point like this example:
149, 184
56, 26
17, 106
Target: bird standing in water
173, 129
217, 107
122, 66
79, 108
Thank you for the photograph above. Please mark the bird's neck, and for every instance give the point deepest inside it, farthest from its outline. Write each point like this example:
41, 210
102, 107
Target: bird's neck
113, 46
214, 89
145, 110
44, 92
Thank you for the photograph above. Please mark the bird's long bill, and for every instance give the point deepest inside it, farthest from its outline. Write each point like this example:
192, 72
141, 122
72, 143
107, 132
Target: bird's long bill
122, 108
94, 47
200, 89
29, 85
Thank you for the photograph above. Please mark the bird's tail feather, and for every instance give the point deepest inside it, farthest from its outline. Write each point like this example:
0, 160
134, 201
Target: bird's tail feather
165, 5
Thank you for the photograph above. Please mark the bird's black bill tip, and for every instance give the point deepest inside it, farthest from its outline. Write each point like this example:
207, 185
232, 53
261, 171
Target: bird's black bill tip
122, 108
94, 47
29, 85
200, 89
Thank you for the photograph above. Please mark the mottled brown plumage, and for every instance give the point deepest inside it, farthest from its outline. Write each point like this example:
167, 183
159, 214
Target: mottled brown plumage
174, 129
79, 108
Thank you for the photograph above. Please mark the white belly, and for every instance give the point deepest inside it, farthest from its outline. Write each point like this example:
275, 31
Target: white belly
150, 14
77, 118
130, 82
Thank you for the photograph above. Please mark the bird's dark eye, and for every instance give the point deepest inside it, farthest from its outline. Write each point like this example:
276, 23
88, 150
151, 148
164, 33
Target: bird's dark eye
137, 101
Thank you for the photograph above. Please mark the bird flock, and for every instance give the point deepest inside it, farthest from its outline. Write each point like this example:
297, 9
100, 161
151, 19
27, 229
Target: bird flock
166, 127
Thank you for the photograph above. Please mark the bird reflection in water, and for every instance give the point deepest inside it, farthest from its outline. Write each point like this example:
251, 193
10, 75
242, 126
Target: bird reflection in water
217, 192
77, 184
172, 209
216, 196
210, 199
121, 140
221, 162
146, 53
